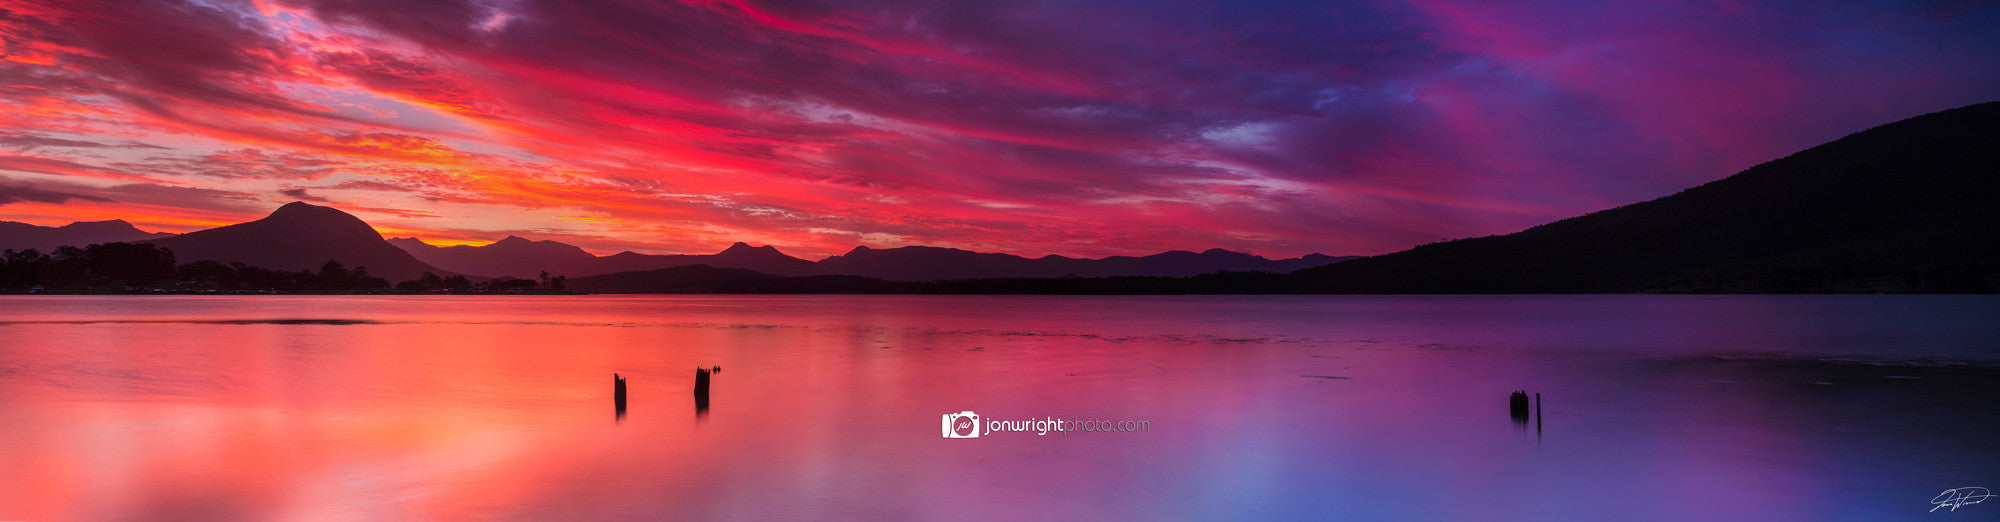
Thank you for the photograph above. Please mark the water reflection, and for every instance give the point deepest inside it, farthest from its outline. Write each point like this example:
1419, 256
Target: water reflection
458, 408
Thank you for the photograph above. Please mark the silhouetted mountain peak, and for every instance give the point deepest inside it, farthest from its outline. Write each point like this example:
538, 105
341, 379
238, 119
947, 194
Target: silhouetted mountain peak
23, 236
96, 224
112, 226
766, 258
300, 236
301, 208
521, 245
414, 246
300, 213
1905, 206
919, 249
741, 248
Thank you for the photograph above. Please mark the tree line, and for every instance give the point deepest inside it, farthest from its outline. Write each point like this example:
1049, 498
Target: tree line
132, 267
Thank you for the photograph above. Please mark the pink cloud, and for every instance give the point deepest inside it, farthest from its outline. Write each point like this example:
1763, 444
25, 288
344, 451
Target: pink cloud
1079, 129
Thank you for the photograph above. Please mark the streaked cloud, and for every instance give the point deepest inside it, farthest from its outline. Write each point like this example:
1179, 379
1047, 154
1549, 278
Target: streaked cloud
1028, 127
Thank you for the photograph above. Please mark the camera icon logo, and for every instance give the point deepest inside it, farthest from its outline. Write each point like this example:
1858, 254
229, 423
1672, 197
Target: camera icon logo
961, 425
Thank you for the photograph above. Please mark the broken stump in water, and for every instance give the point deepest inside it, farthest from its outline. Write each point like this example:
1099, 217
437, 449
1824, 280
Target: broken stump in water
1517, 406
618, 393
701, 382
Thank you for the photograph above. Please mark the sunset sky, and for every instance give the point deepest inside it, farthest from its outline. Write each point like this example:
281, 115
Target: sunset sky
1083, 129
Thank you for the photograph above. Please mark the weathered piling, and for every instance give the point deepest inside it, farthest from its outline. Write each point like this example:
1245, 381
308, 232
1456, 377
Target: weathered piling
701, 382
1517, 406
1538, 412
618, 393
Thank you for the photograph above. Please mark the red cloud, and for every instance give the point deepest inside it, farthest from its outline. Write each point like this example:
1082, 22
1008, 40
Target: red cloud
1082, 129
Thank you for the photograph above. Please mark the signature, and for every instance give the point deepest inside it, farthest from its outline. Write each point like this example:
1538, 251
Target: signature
1956, 497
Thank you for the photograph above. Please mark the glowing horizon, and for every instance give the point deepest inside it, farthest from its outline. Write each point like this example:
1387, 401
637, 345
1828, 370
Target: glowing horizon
1079, 130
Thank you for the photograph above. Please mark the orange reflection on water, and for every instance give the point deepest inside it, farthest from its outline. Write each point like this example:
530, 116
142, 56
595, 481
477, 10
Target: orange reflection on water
828, 408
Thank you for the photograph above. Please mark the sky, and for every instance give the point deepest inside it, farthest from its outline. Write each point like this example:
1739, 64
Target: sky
1070, 128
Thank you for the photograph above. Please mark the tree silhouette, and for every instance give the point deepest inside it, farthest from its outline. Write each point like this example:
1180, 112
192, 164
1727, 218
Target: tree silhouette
332, 271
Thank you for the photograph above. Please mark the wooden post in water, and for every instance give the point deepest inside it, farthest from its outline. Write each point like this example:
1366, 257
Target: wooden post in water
1538, 412
1517, 406
618, 393
701, 382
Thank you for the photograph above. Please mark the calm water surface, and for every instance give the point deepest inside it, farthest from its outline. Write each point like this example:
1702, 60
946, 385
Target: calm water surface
1359, 408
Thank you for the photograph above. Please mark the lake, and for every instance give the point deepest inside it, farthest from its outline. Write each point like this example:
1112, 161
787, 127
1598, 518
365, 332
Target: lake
834, 407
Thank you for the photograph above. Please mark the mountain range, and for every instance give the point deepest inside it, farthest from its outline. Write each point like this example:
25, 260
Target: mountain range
519, 257
303, 236
23, 236
921, 263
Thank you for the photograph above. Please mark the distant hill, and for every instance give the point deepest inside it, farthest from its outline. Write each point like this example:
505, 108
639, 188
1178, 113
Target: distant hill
1182, 263
300, 236
523, 258
23, 236
513, 256
519, 257
920, 263
1908, 206
765, 259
